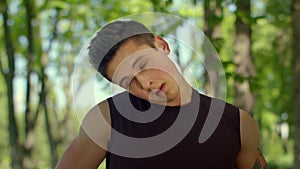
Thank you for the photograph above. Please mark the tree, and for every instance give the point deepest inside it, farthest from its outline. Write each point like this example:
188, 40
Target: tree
9, 73
213, 16
244, 98
296, 80
22, 141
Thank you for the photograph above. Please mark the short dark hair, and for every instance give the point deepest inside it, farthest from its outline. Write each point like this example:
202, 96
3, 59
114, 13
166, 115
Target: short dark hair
108, 40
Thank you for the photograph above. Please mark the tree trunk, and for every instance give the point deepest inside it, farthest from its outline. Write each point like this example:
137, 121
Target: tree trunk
9, 74
296, 80
52, 141
69, 101
30, 119
16, 148
213, 17
244, 99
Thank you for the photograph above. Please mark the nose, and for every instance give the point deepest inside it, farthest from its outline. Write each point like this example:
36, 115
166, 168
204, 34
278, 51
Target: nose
144, 81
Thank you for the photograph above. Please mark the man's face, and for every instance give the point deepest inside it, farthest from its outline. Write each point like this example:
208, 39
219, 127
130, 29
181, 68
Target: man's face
145, 72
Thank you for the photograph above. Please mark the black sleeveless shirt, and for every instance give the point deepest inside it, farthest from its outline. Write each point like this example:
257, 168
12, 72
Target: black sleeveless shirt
152, 136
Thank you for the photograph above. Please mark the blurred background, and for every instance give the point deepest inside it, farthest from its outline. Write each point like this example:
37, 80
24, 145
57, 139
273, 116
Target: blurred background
258, 42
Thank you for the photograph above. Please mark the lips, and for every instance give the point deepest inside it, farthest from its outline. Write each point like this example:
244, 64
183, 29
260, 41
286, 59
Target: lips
161, 89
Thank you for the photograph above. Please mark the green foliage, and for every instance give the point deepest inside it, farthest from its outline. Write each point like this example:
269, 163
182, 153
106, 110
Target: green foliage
271, 49
272, 57
161, 5
273, 65
226, 53
68, 24
278, 12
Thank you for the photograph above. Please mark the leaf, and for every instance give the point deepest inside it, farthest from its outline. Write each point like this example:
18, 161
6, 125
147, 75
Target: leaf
59, 4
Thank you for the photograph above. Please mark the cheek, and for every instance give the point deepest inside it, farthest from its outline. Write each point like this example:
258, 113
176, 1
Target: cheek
135, 89
132, 87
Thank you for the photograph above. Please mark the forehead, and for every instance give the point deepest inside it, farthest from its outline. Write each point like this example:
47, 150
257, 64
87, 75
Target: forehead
126, 50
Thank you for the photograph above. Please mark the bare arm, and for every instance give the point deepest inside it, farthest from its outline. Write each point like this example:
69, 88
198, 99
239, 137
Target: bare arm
260, 162
250, 156
88, 149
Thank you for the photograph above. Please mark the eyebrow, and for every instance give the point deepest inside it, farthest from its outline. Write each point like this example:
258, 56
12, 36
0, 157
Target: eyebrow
137, 60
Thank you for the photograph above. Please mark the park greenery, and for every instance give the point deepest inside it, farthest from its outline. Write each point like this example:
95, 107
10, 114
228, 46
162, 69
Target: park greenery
257, 41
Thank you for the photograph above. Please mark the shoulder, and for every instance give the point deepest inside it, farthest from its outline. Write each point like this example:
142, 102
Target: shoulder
88, 149
249, 141
98, 112
248, 128
96, 123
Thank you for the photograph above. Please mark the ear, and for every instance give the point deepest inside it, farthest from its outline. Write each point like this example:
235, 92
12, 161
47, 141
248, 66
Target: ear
160, 43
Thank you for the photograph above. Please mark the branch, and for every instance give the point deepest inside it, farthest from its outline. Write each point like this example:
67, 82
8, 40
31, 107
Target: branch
29, 15
3, 72
43, 77
8, 42
54, 34
41, 97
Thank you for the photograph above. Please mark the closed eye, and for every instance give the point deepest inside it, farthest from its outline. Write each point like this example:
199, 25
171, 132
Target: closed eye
140, 62
143, 65
137, 60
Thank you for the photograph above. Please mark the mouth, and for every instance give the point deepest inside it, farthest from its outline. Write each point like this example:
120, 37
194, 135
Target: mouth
161, 89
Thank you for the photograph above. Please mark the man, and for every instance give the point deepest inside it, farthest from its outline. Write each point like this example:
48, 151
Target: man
159, 120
